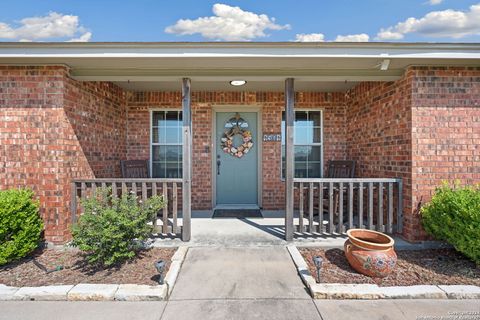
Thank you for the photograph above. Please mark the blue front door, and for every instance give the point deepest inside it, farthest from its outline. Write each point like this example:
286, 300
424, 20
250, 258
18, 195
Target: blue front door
235, 162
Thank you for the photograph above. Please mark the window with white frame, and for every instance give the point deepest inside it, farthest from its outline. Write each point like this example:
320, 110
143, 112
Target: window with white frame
166, 144
308, 144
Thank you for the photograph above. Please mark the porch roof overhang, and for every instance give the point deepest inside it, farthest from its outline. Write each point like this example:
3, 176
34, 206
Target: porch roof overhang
265, 65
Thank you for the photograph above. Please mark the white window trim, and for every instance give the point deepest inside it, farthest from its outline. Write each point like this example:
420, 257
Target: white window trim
322, 110
151, 144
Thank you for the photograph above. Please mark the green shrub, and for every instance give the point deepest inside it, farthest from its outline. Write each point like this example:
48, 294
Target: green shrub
453, 215
20, 224
110, 228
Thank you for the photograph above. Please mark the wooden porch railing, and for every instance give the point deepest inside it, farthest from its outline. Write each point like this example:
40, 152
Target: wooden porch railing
328, 206
171, 189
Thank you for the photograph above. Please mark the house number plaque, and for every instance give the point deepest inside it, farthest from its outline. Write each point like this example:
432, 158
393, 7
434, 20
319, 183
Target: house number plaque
272, 137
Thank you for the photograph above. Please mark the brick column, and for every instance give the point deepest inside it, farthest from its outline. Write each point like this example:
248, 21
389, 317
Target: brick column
54, 129
445, 132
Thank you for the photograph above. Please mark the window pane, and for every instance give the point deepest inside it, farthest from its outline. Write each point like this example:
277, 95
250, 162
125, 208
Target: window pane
155, 136
158, 153
171, 119
301, 118
173, 153
317, 135
171, 136
314, 170
172, 170
302, 135
308, 131
301, 153
157, 118
314, 153
158, 135
158, 170
167, 135
300, 169
315, 118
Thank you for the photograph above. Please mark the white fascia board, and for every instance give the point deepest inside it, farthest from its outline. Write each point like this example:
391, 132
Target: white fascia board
239, 50
449, 55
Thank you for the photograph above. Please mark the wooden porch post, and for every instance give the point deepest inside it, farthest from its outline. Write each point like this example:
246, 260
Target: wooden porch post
289, 157
187, 159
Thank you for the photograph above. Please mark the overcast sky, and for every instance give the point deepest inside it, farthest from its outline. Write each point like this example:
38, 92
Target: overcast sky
248, 20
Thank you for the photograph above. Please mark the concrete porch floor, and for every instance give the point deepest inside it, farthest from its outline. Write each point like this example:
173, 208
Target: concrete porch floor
266, 231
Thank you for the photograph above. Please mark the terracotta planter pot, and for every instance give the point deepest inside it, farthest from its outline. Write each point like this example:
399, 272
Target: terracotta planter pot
370, 252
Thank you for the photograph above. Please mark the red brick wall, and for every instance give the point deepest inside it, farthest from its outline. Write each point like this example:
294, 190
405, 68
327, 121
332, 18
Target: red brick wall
378, 126
46, 123
423, 128
379, 134
446, 131
97, 114
271, 104
34, 139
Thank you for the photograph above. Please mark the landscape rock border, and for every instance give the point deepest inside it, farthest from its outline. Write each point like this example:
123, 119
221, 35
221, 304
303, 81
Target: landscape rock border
100, 292
372, 291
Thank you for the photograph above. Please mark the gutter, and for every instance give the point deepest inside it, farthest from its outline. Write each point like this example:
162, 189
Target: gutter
171, 45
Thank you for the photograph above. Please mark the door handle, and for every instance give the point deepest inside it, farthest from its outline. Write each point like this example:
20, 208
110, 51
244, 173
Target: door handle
218, 166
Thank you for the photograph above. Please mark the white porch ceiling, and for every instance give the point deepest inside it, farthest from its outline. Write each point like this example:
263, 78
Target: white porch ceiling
278, 86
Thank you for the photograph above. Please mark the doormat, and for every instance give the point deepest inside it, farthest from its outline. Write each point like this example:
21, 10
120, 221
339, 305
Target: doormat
237, 213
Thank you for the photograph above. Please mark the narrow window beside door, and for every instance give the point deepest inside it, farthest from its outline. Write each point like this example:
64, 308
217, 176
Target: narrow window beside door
308, 144
166, 144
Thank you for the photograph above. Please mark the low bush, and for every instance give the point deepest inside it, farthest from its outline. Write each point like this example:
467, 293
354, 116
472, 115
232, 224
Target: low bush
453, 215
109, 229
20, 224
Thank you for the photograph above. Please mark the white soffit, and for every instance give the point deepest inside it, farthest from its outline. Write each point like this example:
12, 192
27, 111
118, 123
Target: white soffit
255, 61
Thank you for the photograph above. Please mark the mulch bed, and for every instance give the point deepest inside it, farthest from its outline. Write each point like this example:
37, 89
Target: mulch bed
437, 267
28, 271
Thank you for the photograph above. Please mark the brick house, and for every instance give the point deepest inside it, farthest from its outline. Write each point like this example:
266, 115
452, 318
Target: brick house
407, 114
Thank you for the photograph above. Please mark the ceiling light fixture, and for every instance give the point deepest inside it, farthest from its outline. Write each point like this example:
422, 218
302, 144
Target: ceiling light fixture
237, 83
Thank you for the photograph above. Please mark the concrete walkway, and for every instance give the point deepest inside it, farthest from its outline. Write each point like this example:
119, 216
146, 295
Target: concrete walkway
243, 309
239, 283
238, 273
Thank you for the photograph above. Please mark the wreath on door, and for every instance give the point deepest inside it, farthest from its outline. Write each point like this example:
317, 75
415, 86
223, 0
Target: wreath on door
236, 126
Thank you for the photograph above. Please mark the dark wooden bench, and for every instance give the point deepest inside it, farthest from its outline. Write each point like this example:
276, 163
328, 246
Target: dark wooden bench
138, 169
338, 169
335, 169
341, 169
135, 169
